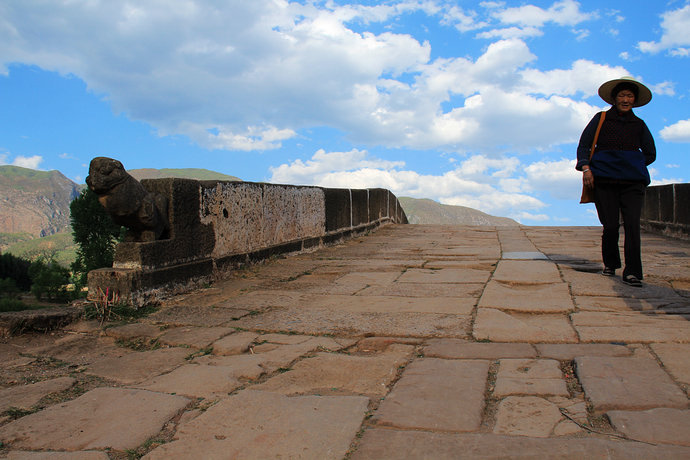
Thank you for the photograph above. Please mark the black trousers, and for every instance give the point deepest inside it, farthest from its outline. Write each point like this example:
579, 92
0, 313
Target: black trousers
613, 200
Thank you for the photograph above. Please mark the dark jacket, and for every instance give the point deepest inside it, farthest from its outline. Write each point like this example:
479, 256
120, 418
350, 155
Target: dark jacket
624, 149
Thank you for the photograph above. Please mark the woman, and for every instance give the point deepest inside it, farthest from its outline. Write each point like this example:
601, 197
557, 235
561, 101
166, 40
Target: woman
618, 172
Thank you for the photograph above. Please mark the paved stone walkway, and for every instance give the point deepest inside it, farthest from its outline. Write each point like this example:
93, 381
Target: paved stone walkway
413, 342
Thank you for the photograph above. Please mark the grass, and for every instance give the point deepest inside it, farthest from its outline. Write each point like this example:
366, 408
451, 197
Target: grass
60, 246
7, 305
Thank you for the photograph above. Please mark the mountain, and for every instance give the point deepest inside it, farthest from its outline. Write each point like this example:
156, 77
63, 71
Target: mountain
35, 202
425, 211
188, 173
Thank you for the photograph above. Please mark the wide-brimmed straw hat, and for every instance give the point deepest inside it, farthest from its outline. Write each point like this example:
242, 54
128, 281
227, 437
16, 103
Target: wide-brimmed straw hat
644, 95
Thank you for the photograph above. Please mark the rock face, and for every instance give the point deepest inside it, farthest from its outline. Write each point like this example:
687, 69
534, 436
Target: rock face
35, 202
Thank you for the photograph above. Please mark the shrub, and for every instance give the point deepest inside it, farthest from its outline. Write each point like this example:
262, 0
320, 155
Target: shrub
94, 233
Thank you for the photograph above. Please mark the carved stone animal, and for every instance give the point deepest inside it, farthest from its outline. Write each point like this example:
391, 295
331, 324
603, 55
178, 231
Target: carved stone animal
129, 204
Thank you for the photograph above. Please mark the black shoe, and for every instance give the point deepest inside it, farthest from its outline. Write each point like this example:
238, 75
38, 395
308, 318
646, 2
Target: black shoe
632, 280
608, 271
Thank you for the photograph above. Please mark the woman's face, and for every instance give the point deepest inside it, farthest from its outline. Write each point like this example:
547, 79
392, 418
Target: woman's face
625, 100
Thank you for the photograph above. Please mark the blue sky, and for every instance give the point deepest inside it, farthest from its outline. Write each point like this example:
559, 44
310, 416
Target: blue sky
477, 104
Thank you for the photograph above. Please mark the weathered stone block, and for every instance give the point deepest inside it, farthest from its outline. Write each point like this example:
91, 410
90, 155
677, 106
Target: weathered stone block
337, 203
360, 207
682, 198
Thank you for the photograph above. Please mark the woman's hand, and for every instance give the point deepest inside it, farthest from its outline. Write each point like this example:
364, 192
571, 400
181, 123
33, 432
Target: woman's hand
587, 178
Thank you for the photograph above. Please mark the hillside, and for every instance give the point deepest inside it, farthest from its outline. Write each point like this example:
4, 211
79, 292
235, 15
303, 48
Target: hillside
35, 202
425, 211
187, 173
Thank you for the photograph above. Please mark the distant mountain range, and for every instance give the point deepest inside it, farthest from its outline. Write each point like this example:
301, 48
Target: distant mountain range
35, 204
425, 211
188, 173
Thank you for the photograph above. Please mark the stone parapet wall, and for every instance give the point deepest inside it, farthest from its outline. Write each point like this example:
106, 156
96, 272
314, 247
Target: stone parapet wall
216, 226
667, 210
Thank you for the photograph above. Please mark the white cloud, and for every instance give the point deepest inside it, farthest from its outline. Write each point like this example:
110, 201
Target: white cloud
251, 75
31, 162
677, 132
564, 13
511, 32
558, 177
667, 181
462, 20
492, 185
526, 216
675, 37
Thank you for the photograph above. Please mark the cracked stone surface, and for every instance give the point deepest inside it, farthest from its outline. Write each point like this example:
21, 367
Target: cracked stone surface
413, 341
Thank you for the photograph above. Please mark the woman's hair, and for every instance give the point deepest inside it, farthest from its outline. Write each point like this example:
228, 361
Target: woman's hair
624, 85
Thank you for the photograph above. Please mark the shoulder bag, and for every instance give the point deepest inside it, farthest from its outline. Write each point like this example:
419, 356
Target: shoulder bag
588, 192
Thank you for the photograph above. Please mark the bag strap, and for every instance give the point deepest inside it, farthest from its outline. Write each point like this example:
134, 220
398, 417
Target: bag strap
596, 135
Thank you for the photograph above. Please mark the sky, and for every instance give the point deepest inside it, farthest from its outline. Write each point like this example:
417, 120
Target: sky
477, 104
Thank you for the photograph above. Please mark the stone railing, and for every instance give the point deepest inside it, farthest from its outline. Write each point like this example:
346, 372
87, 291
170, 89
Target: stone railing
216, 226
666, 210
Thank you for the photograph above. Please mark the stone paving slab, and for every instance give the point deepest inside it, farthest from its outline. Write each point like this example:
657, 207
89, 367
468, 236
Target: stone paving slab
392, 304
138, 366
261, 425
627, 384
498, 326
353, 282
384, 444
105, 417
80, 349
339, 374
484, 265
466, 253
193, 315
563, 352
661, 425
529, 416
273, 355
527, 272
26, 396
437, 394
193, 337
262, 299
465, 290
320, 321
462, 349
529, 377
608, 303
207, 380
44, 455
234, 344
589, 284
541, 298
674, 356
444, 275
134, 331
630, 327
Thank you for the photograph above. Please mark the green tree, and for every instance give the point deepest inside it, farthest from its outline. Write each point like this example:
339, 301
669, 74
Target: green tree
50, 279
94, 233
17, 269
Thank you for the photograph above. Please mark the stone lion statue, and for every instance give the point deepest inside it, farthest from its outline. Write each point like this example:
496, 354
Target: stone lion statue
129, 204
